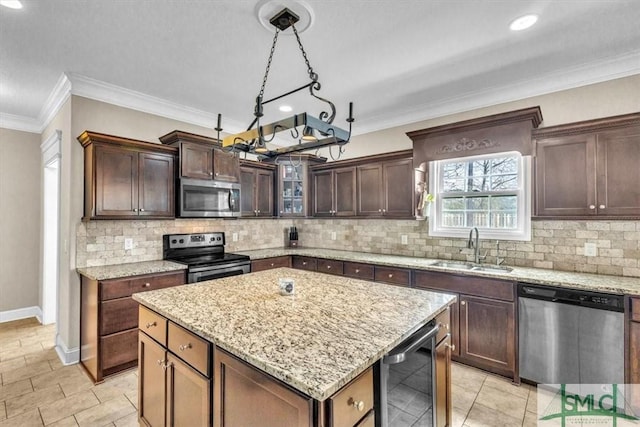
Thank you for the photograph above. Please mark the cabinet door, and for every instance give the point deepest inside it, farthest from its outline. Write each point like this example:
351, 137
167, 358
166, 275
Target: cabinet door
248, 192
196, 161
323, 193
226, 166
369, 193
344, 192
634, 364
398, 189
293, 188
264, 193
279, 404
618, 170
487, 333
443, 383
156, 185
565, 176
269, 263
151, 382
188, 395
116, 182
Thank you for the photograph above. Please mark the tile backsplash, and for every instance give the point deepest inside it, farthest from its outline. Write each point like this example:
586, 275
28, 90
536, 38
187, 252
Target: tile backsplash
557, 245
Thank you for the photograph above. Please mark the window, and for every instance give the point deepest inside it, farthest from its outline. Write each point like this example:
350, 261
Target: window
489, 192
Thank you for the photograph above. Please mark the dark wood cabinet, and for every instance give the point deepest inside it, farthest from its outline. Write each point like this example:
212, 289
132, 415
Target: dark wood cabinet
392, 275
109, 320
126, 178
257, 196
202, 157
304, 263
171, 391
269, 263
330, 266
334, 192
293, 184
443, 405
589, 169
385, 189
633, 351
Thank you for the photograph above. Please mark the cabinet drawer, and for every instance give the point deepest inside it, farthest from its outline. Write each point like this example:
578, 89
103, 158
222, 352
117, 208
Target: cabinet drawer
118, 288
470, 285
190, 348
359, 271
635, 309
444, 320
330, 266
153, 325
344, 404
119, 348
305, 263
395, 276
118, 315
369, 420
269, 263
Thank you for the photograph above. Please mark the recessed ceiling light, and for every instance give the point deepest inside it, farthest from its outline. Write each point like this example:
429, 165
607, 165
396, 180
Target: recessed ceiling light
12, 4
523, 22
286, 108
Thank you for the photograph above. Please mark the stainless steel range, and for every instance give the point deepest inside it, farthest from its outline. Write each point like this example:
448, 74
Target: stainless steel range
204, 255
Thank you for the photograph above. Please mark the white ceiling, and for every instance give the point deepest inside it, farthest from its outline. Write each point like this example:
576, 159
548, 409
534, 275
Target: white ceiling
399, 61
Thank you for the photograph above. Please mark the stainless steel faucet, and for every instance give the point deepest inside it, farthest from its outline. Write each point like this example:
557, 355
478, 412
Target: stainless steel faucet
475, 244
498, 259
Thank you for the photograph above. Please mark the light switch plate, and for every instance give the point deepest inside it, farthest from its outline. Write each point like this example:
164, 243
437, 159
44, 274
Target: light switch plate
404, 239
234, 237
128, 244
590, 249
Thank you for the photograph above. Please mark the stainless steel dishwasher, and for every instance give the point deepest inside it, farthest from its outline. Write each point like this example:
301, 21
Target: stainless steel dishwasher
570, 336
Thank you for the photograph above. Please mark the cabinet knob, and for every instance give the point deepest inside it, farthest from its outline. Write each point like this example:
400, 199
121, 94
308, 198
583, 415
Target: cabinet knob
592, 207
601, 207
151, 325
328, 267
210, 173
185, 346
357, 404
463, 303
304, 262
141, 209
390, 275
444, 326
272, 264
217, 174
146, 285
384, 211
135, 209
357, 270
379, 210
451, 346
258, 210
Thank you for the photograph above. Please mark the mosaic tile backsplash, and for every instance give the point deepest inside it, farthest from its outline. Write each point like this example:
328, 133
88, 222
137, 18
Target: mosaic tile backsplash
557, 245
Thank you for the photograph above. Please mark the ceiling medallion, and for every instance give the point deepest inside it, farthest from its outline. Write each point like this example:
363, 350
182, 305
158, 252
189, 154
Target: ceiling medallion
266, 9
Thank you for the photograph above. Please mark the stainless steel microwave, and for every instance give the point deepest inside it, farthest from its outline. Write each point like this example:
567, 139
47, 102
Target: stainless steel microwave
208, 199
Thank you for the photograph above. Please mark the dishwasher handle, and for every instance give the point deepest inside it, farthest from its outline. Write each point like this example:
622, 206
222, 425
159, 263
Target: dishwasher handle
411, 345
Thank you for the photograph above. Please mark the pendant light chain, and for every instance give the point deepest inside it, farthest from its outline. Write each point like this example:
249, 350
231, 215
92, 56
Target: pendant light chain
266, 72
313, 76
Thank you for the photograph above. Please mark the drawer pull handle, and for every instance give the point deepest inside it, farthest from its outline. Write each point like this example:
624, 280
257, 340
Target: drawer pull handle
146, 285
185, 347
357, 404
451, 346
151, 325
444, 325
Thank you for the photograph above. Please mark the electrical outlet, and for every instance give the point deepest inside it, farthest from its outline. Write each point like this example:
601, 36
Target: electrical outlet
404, 239
234, 237
590, 249
128, 244
333, 235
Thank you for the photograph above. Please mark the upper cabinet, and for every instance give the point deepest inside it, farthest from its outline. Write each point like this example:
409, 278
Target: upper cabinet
589, 169
203, 158
385, 189
125, 178
293, 184
257, 181
334, 192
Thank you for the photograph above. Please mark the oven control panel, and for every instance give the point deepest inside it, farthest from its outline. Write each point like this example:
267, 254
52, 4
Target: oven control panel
177, 241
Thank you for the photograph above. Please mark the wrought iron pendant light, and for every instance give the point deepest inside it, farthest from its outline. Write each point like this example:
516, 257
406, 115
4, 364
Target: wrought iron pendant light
317, 132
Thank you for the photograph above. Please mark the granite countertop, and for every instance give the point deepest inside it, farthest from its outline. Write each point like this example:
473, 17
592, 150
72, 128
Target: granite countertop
317, 340
593, 282
131, 269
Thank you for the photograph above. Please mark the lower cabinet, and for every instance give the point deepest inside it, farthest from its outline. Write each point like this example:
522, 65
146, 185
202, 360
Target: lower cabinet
633, 352
443, 404
269, 263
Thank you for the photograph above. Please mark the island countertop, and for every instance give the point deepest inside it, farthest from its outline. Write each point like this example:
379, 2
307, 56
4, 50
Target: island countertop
317, 340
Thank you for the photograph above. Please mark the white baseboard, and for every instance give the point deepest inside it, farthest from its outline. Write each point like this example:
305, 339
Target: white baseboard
67, 356
21, 313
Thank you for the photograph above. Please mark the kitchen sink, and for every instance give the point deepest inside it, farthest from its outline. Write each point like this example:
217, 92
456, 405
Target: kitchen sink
453, 264
492, 269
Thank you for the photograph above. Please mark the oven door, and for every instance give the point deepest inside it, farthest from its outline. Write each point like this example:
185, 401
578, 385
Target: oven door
208, 199
217, 272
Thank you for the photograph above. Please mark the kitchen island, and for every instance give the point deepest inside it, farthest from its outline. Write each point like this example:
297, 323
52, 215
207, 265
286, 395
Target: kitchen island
243, 340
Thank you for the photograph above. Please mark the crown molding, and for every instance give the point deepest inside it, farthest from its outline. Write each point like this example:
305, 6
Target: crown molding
20, 123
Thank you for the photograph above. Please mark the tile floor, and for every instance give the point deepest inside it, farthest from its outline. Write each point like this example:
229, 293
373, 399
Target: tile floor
36, 389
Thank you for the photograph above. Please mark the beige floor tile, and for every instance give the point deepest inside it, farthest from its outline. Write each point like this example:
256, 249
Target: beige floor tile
482, 416
42, 356
532, 402
65, 422
457, 417
130, 420
9, 344
133, 397
3, 412
49, 378
20, 351
25, 372
27, 419
15, 389
462, 398
502, 383
73, 385
105, 413
13, 364
29, 401
530, 420
116, 386
503, 401
66, 407
466, 377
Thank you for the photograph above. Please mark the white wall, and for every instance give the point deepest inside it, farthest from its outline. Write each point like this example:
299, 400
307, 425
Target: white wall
20, 176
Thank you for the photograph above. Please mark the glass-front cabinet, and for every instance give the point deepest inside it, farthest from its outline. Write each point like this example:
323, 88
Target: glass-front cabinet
293, 184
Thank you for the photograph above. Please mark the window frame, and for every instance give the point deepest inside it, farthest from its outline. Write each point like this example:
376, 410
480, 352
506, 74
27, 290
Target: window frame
523, 194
